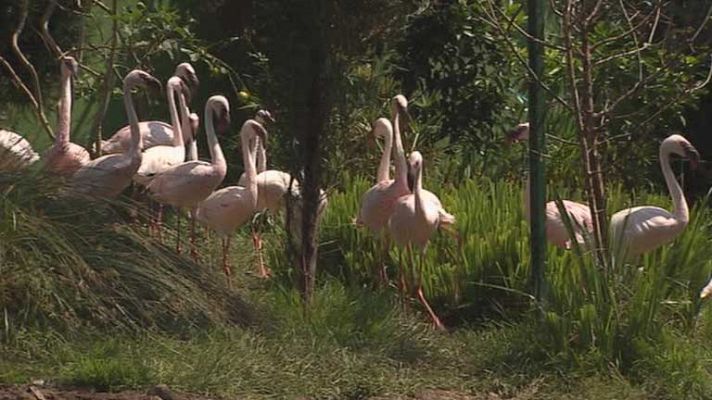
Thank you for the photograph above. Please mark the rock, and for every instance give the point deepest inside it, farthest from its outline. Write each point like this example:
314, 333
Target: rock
161, 391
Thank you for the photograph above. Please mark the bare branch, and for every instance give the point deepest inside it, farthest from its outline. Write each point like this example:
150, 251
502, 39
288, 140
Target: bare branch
627, 32
36, 97
15, 79
705, 82
108, 83
524, 62
637, 50
593, 16
655, 26
571, 67
702, 25
48, 40
510, 22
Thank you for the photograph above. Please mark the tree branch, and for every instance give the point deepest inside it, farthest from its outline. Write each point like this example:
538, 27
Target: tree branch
108, 83
38, 103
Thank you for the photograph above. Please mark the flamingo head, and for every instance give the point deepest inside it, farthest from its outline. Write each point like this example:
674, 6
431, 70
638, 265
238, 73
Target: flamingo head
521, 132
220, 112
415, 168
70, 66
400, 106
138, 77
256, 128
677, 144
264, 116
187, 74
381, 127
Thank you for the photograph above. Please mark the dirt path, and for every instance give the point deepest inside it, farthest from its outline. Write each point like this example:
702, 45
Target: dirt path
30, 392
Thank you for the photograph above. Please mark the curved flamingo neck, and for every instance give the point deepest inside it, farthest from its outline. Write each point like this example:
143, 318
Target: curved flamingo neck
177, 129
679, 204
248, 157
418, 193
217, 157
261, 154
401, 166
385, 164
65, 110
185, 128
136, 140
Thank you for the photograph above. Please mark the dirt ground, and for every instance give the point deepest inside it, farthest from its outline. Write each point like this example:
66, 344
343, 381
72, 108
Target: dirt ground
32, 392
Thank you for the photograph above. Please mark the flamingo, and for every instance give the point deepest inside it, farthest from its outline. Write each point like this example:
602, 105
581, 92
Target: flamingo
378, 203
231, 207
154, 133
187, 184
16, 152
415, 217
641, 229
556, 230
64, 157
109, 175
161, 157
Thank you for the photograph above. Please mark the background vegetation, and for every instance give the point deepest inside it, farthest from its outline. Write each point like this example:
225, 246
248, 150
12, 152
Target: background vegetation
65, 281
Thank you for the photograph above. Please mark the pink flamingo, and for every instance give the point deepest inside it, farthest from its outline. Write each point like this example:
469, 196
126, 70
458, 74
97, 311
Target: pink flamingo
161, 157
64, 157
187, 184
272, 186
16, 152
109, 175
638, 230
378, 203
153, 133
231, 207
415, 217
556, 231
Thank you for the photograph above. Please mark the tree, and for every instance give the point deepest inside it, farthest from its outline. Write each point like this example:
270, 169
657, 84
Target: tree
616, 56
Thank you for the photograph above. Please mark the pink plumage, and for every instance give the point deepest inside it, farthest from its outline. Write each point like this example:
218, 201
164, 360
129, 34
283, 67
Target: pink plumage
638, 230
64, 157
556, 231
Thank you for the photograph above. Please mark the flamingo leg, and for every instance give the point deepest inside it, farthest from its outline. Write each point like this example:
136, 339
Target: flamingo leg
381, 262
159, 223
401, 280
226, 264
178, 247
264, 271
421, 297
193, 248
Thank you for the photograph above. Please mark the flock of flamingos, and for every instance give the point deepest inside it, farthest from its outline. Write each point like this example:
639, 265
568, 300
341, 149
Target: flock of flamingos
162, 158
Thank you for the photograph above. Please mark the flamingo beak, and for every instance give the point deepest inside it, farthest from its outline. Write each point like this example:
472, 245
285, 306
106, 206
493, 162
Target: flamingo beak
261, 132
222, 122
694, 157
152, 83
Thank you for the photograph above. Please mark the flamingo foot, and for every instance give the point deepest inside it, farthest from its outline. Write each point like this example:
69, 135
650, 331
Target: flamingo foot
437, 324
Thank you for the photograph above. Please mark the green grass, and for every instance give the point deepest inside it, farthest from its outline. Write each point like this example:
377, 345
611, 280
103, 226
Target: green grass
88, 299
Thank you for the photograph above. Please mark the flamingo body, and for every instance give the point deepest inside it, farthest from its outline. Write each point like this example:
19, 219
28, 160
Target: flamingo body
64, 157
109, 175
641, 229
16, 152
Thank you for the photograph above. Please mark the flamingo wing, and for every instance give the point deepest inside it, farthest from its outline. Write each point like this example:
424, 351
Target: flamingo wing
640, 229
15, 152
154, 133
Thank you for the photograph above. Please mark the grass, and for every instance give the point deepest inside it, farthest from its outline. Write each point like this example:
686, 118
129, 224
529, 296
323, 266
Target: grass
89, 300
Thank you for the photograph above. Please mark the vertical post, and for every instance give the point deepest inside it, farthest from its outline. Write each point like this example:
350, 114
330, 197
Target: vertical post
537, 147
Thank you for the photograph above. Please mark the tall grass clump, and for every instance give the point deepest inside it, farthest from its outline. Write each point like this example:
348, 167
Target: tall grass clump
639, 315
73, 263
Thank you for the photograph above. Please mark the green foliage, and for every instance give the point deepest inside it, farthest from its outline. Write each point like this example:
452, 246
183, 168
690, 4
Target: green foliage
459, 75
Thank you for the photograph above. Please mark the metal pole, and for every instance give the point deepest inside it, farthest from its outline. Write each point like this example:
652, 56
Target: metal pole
537, 147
